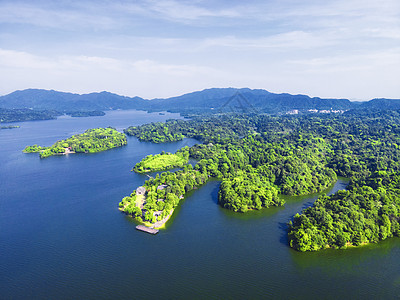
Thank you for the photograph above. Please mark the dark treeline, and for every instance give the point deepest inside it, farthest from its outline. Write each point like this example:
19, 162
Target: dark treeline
221, 129
25, 114
80, 114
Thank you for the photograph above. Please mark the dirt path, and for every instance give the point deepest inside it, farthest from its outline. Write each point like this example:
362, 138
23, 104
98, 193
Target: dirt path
161, 223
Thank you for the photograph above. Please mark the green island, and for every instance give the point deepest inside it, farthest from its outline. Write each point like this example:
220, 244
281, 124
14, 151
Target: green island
26, 114
81, 114
9, 127
257, 158
162, 161
91, 141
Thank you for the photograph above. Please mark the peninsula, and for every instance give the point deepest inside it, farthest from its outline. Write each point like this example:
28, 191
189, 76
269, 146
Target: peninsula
154, 203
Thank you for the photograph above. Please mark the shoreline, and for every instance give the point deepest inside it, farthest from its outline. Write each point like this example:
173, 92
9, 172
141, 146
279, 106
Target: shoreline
157, 225
161, 224
140, 201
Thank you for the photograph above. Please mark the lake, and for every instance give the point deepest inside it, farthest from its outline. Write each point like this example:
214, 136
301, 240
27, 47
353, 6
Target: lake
63, 237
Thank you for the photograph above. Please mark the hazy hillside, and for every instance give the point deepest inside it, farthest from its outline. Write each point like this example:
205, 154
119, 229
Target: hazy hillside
60, 101
215, 100
245, 100
382, 104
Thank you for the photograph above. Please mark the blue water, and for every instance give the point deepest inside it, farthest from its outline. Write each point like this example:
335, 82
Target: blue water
62, 236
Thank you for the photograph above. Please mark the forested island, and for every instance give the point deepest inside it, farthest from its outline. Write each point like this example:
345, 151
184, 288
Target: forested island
91, 141
260, 157
25, 114
8, 115
81, 114
9, 127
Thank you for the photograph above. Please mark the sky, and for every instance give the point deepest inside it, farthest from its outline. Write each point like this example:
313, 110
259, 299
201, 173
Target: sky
157, 49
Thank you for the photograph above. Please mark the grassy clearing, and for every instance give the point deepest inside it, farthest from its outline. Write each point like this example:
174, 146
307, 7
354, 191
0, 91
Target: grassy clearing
160, 162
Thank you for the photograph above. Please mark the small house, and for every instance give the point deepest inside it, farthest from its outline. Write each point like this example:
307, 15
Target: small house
161, 187
140, 190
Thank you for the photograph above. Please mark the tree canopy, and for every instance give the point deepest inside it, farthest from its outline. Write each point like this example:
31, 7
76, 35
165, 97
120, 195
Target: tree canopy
91, 141
259, 157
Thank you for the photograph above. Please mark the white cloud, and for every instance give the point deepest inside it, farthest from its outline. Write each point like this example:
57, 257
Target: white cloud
363, 76
47, 16
79, 74
23, 60
362, 62
284, 42
179, 10
104, 15
162, 48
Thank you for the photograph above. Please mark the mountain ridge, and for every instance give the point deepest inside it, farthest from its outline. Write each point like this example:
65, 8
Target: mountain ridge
212, 100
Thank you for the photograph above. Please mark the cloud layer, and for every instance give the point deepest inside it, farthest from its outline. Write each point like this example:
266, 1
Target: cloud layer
154, 48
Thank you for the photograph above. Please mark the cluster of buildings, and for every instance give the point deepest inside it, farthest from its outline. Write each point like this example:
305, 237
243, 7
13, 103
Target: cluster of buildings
314, 111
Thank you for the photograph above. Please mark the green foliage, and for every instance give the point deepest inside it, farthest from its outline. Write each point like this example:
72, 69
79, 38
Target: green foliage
25, 114
163, 161
365, 213
207, 129
259, 157
248, 190
80, 114
91, 141
33, 149
163, 194
9, 127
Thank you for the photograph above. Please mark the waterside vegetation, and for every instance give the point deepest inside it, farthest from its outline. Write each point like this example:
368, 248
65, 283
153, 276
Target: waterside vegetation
259, 157
9, 127
91, 141
28, 114
25, 114
367, 212
163, 161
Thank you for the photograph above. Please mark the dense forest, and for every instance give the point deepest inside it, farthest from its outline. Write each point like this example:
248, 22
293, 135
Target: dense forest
221, 129
80, 114
259, 157
368, 212
8, 115
24, 114
91, 141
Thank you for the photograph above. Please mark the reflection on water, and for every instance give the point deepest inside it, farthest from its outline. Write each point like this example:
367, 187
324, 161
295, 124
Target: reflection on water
345, 259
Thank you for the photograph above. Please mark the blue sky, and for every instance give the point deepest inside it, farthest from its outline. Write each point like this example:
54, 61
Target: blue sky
331, 48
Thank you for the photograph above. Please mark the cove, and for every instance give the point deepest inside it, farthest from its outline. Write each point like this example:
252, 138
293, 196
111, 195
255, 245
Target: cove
62, 236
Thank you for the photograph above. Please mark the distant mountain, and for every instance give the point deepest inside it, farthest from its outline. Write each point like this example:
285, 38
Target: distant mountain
52, 100
244, 100
382, 104
215, 100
